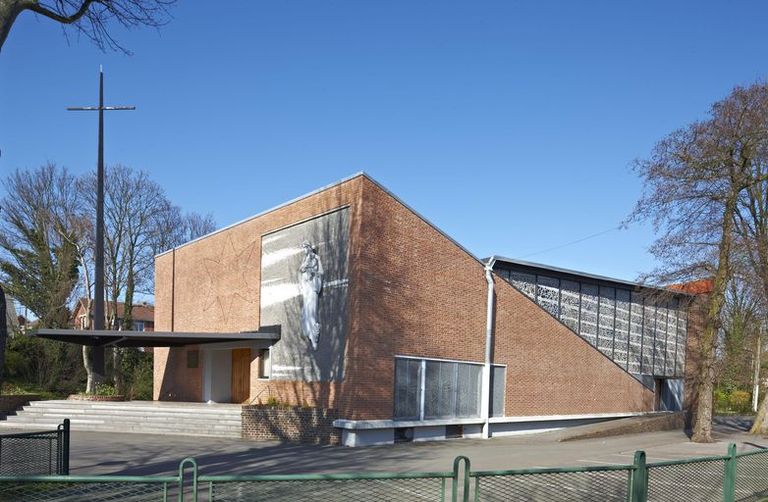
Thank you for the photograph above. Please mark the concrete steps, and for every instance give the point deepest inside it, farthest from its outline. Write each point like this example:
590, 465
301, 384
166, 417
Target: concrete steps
192, 419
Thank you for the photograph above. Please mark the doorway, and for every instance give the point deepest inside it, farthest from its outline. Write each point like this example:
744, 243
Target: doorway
227, 373
241, 375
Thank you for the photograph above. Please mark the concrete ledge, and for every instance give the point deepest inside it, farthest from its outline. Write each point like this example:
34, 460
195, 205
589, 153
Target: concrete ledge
397, 424
661, 421
373, 432
394, 424
550, 418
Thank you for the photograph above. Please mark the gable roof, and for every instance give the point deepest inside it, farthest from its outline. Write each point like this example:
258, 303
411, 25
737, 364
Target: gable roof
140, 311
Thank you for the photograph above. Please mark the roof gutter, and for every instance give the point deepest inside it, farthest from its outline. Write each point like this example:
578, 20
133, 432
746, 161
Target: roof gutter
486, 389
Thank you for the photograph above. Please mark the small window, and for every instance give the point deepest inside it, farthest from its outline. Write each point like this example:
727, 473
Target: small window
193, 359
264, 363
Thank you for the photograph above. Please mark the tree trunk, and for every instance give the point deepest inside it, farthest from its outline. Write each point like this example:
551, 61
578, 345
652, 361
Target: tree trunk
3, 335
702, 421
760, 425
94, 379
117, 362
127, 323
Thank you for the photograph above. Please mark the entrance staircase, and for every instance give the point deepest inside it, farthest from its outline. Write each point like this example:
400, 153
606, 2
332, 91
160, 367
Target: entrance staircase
146, 417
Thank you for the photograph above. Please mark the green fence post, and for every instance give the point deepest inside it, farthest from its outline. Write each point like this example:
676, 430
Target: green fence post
639, 480
729, 479
455, 482
182, 466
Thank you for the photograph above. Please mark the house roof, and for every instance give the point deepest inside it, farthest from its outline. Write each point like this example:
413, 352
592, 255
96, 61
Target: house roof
139, 312
269, 334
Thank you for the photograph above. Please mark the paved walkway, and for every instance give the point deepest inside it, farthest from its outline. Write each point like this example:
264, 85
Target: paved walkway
139, 454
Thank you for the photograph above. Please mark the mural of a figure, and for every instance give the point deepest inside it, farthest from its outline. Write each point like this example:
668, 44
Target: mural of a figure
311, 286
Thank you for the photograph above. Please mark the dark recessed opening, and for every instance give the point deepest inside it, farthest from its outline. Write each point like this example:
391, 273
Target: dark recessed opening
403, 434
454, 431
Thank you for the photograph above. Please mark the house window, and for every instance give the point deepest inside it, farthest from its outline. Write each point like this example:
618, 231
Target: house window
264, 363
436, 389
138, 325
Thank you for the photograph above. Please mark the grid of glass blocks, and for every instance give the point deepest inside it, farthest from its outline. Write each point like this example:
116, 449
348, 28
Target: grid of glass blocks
640, 333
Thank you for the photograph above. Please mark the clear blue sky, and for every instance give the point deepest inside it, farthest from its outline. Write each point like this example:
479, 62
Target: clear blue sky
510, 125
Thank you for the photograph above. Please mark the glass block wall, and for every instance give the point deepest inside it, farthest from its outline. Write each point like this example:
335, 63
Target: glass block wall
435, 389
642, 334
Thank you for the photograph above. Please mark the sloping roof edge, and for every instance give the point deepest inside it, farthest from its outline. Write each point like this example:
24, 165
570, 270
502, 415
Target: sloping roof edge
586, 275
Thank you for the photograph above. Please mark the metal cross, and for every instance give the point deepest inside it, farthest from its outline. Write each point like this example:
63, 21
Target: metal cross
98, 308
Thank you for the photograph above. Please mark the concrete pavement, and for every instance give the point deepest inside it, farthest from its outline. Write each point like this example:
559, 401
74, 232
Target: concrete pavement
145, 454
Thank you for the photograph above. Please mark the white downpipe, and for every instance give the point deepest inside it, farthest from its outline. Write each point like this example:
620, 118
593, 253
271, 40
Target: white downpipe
486, 390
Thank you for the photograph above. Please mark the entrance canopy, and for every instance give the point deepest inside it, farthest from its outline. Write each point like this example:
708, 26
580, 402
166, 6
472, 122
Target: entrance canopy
269, 334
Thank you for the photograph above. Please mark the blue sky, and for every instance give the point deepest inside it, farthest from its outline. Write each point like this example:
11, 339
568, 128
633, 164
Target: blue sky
510, 125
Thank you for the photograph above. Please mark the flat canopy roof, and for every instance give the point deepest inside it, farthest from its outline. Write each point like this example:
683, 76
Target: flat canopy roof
269, 334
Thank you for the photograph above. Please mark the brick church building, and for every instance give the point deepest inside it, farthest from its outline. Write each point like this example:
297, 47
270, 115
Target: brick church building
396, 330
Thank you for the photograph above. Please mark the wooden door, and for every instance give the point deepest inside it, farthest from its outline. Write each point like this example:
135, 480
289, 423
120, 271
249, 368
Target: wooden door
241, 375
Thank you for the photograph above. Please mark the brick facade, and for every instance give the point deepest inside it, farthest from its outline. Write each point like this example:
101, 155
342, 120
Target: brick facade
412, 291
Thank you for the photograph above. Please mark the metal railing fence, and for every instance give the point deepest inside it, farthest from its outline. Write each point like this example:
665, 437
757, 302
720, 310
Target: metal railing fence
35, 453
729, 478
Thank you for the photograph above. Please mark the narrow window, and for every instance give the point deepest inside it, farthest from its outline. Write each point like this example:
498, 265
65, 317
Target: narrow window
264, 363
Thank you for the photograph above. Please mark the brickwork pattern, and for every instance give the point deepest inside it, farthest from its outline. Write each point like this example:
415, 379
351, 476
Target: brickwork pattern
293, 424
216, 289
415, 292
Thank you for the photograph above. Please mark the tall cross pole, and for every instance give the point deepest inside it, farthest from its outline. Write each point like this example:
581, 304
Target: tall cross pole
98, 308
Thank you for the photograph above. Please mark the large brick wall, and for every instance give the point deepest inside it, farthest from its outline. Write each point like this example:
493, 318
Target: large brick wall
213, 285
415, 292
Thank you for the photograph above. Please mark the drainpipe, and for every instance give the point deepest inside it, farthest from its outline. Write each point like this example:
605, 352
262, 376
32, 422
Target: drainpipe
486, 390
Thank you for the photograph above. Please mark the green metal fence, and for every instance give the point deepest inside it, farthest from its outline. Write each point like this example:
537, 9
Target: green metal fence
729, 478
35, 453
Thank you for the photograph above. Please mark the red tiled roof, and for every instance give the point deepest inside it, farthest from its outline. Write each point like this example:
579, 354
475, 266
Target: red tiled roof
140, 311
699, 287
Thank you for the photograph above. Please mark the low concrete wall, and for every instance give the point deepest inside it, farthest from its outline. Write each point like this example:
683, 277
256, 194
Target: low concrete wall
9, 404
649, 423
292, 424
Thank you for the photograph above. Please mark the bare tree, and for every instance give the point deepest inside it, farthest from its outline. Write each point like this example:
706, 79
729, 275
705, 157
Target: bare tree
91, 18
139, 220
751, 219
39, 262
694, 179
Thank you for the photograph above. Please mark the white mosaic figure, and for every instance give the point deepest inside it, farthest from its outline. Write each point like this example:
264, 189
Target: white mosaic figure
310, 285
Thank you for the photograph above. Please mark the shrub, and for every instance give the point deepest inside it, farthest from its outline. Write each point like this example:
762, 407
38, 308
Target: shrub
728, 401
105, 389
44, 364
740, 401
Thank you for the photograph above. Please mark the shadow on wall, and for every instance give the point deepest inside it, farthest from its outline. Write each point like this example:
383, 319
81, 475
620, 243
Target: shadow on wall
178, 381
